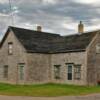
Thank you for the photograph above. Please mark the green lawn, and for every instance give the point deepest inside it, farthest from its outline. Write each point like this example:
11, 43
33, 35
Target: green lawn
46, 90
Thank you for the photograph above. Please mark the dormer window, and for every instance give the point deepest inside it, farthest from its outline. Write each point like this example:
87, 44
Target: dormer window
10, 48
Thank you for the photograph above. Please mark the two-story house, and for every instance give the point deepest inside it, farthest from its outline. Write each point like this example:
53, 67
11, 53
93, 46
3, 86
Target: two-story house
30, 57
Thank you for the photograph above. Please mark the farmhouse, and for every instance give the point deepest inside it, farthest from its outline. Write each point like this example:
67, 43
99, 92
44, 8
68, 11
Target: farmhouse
30, 57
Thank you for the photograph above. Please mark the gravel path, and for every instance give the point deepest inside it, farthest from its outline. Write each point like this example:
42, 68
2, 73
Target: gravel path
88, 97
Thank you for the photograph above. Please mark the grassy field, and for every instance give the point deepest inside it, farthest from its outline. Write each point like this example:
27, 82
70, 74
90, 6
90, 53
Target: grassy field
49, 90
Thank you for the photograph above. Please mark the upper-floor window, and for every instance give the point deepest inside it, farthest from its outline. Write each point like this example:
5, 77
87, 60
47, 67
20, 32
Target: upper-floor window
77, 72
10, 48
57, 71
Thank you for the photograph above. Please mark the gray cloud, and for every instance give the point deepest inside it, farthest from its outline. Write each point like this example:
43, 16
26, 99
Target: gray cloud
60, 16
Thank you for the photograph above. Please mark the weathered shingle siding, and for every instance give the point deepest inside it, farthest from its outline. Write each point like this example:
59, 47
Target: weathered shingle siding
41, 67
62, 59
93, 62
19, 56
38, 68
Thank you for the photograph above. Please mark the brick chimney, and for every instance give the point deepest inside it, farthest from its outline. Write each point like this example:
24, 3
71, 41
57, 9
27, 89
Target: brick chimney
80, 27
39, 28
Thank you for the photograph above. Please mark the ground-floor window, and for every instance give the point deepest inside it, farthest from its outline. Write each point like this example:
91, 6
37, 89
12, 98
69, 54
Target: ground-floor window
5, 73
21, 71
77, 72
69, 71
57, 71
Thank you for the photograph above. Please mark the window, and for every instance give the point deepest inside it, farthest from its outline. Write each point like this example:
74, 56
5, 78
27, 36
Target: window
10, 48
5, 71
57, 71
69, 73
77, 72
21, 71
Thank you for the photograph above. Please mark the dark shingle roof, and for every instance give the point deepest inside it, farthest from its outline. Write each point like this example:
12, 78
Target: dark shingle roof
73, 43
35, 41
42, 42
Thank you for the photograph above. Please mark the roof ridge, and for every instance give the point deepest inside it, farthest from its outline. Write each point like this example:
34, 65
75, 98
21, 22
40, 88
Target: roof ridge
79, 34
33, 30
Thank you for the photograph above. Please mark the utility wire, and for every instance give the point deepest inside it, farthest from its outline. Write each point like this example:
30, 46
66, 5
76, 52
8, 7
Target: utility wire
12, 16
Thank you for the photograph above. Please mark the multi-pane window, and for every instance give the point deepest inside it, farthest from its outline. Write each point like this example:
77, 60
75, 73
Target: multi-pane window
21, 71
77, 72
69, 73
5, 75
57, 71
10, 48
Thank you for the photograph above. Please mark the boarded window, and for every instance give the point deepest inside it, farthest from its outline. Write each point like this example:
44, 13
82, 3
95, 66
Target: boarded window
69, 73
10, 48
6, 71
77, 72
57, 71
21, 71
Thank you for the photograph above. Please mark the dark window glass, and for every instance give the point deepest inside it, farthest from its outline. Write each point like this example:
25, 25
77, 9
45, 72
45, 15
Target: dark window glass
70, 71
69, 76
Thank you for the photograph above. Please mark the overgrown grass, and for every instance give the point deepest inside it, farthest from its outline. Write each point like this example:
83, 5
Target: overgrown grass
49, 90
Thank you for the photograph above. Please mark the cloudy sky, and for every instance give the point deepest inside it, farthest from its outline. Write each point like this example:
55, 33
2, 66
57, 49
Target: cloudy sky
57, 16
